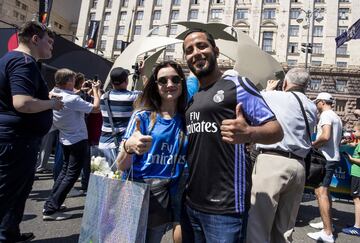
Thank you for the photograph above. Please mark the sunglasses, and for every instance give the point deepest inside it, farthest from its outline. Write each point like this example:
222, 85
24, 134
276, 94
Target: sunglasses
164, 80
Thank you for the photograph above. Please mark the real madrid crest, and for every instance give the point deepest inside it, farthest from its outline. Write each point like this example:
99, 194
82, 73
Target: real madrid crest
219, 96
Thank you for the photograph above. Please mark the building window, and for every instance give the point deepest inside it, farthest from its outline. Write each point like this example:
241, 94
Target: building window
155, 30
15, 14
344, 1
169, 57
340, 85
317, 48
316, 63
157, 2
293, 48
157, 14
318, 31
102, 44
344, 13
174, 14
193, 14
194, 2
108, 3
139, 15
341, 64
94, 3
176, 2
105, 30
269, 1
92, 16
170, 48
267, 41
341, 29
319, 1
137, 30
314, 84
342, 50
118, 44
17, 3
122, 15
242, 13
23, 18
173, 30
292, 62
124, 3
216, 13
294, 30
217, 1
295, 13
106, 16
269, 13
121, 30
141, 3
340, 105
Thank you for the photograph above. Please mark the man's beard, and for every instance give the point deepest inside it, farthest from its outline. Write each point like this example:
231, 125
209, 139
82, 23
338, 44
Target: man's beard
205, 71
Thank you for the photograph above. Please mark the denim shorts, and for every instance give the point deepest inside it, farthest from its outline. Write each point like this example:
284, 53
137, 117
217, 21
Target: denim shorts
329, 172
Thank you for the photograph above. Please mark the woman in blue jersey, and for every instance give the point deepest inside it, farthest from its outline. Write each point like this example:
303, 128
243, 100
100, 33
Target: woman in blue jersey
154, 145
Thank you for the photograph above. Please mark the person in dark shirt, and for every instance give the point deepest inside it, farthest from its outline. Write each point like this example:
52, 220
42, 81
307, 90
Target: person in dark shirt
218, 188
25, 117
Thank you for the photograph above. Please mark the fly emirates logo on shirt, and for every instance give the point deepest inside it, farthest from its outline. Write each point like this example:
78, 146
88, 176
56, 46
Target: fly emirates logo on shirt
166, 156
197, 126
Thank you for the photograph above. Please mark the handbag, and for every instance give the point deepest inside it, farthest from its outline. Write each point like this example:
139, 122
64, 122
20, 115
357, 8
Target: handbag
315, 161
115, 211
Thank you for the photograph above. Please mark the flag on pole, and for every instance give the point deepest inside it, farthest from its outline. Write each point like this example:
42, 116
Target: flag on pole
44, 11
352, 33
92, 34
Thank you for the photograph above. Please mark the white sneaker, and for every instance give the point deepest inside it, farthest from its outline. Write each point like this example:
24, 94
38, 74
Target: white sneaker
57, 216
319, 225
322, 236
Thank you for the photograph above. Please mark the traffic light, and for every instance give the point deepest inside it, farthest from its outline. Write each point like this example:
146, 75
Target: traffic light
306, 46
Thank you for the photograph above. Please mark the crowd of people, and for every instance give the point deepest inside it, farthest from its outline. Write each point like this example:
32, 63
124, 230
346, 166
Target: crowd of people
188, 138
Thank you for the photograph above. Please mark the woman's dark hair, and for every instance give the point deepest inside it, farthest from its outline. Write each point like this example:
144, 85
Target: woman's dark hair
79, 80
150, 98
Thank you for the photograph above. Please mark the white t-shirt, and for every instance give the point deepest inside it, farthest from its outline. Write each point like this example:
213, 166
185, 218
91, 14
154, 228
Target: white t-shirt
70, 120
331, 149
288, 113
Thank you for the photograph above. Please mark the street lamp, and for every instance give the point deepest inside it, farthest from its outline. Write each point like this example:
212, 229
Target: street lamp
309, 17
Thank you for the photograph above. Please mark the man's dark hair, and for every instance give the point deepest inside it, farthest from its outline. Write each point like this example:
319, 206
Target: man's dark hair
209, 36
31, 28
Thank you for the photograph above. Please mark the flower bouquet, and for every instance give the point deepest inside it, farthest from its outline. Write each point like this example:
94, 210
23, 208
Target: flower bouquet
100, 167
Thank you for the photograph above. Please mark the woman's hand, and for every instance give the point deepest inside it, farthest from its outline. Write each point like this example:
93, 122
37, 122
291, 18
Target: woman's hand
138, 143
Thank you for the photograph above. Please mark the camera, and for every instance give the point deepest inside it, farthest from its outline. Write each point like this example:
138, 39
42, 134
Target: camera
136, 74
280, 75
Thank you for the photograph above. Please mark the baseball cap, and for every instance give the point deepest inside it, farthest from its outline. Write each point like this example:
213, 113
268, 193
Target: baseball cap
324, 96
118, 75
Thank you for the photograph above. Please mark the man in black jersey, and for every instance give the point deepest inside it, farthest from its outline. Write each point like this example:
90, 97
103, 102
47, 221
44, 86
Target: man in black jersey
217, 195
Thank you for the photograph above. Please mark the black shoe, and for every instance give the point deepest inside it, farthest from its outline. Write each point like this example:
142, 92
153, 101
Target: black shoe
25, 237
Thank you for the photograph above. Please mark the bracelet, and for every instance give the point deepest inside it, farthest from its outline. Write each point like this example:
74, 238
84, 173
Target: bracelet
126, 151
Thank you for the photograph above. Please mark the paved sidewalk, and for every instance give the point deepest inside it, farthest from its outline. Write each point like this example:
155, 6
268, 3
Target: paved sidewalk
68, 231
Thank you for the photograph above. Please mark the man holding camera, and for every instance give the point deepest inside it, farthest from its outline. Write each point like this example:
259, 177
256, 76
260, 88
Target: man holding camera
116, 109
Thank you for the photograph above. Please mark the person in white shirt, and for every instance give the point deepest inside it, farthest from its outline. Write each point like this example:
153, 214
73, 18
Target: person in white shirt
74, 139
328, 138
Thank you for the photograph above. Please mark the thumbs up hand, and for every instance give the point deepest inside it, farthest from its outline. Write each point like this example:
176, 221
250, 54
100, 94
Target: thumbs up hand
138, 143
236, 131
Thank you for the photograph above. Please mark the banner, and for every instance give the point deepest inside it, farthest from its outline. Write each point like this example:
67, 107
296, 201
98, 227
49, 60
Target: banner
352, 33
44, 11
92, 34
8, 40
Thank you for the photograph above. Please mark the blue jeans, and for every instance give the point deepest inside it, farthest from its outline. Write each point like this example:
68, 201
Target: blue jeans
201, 227
58, 160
